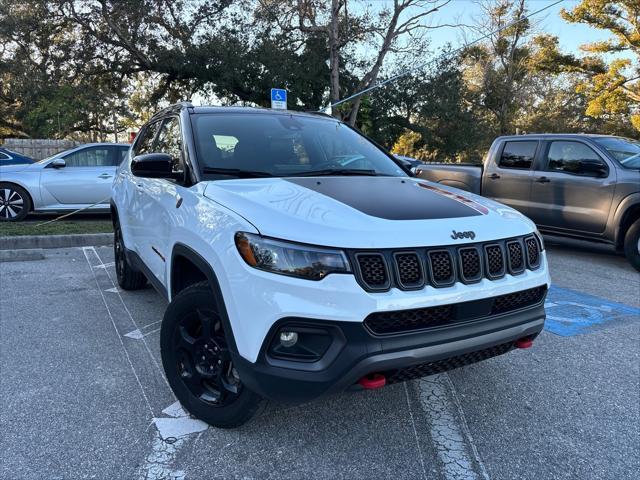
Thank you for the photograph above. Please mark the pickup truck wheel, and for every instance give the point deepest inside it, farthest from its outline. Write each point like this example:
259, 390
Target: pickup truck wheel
128, 278
632, 245
14, 202
197, 362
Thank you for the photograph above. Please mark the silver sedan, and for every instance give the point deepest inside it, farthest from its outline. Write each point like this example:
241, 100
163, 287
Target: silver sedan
73, 179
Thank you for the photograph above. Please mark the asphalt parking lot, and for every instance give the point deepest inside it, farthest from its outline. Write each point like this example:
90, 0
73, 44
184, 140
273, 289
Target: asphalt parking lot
82, 394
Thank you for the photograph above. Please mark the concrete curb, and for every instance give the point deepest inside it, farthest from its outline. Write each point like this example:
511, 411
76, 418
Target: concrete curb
55, 241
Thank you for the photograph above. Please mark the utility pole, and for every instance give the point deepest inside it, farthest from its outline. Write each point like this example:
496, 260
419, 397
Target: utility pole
115, 126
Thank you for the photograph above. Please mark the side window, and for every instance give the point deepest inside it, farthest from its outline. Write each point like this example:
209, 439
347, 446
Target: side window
144, 143
170, 141
120, 154
518, 154
4, 156
90, 157
575, 158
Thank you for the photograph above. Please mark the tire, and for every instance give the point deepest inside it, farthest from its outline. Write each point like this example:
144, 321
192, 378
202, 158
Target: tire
15, 202
197, 362
128, 277
632, 244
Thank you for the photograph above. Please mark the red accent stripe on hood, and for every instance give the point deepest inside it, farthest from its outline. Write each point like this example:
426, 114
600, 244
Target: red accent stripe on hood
457, 197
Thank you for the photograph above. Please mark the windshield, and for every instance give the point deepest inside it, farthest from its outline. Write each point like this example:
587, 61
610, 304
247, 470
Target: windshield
624, 150
281, 145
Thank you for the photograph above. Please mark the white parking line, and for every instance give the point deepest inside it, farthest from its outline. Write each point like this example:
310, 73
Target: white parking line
135, 325
449, 431
126, 353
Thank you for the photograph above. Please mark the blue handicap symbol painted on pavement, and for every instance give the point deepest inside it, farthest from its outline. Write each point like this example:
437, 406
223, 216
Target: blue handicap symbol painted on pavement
573, 313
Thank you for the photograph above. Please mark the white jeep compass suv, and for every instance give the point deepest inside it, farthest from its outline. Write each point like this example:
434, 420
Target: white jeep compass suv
300, 258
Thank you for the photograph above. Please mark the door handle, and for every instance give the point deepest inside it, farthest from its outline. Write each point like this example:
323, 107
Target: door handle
139, 186
494, 176
105, 175
543, 180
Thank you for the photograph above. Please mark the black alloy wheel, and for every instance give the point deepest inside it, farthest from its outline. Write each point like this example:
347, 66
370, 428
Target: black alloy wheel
202, 357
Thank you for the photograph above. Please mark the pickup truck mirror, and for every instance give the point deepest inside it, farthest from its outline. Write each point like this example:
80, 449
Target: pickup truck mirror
592, 168
153, 165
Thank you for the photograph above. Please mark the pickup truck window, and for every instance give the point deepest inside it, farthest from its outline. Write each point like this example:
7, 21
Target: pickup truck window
518, 154
575, 158
625, 151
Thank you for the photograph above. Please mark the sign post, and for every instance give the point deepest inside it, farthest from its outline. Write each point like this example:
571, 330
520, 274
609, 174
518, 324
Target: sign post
279, 98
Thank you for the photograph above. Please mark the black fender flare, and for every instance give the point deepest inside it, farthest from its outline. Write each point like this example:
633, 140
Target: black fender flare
179, 249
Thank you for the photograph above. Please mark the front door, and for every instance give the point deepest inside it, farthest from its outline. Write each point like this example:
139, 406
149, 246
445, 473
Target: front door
159, 197
85, 179
572, 188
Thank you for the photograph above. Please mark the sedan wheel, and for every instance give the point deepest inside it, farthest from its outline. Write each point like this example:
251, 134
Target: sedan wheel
14, 203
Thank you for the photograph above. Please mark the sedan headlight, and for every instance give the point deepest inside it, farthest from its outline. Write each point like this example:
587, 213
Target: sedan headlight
287, 258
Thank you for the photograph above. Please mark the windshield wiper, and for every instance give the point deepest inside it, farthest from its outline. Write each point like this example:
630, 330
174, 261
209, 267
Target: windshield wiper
236, 172
338, 171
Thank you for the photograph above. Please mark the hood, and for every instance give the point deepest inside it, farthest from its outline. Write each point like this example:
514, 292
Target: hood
17, 168
366, 212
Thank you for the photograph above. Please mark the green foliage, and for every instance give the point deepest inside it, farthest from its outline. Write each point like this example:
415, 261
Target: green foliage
615, 89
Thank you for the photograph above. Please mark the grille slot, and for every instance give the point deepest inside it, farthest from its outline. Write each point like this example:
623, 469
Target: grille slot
407, 320
518, 300
373, 270
470, 264
402, 321
440, 366
441, 265
409, 269
494, 260
533, 252
516, 257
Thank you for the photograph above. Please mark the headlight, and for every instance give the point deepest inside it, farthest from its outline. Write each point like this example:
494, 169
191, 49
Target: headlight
286, 258
539, 236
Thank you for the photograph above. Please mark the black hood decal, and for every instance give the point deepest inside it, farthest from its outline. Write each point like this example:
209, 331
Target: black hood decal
391, 198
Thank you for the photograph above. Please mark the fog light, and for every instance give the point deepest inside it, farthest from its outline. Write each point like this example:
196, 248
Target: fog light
288, 339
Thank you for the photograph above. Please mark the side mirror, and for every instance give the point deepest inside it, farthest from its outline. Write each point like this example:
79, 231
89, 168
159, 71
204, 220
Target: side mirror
592, 168
153, 165
58, 163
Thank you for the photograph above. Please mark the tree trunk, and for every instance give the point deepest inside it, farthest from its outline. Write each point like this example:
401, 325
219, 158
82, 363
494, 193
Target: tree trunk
334, 56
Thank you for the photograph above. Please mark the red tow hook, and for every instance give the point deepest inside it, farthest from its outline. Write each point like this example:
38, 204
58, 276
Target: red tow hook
525, 342
373, 381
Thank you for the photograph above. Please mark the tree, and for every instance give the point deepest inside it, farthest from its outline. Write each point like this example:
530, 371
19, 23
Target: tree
393, 30
617, 89
498, 70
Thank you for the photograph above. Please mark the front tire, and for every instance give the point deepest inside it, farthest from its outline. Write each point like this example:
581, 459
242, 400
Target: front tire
632, 245
15, 202
196, 359
128, 278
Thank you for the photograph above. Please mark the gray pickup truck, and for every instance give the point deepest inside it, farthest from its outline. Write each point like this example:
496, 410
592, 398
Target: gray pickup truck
581, 186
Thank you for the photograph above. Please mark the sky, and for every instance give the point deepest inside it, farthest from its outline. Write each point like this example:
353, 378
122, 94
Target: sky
570, 35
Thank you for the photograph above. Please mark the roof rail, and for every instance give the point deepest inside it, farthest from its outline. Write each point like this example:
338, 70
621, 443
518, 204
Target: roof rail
176, 107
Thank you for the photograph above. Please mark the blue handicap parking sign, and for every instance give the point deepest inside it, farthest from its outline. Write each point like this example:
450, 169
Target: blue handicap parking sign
278, 95
572, 313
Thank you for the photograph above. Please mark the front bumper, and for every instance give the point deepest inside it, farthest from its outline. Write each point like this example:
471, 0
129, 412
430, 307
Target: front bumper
399, 357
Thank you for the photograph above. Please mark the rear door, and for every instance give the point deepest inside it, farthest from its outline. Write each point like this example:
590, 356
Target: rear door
85, 179
507, 179
573, 187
